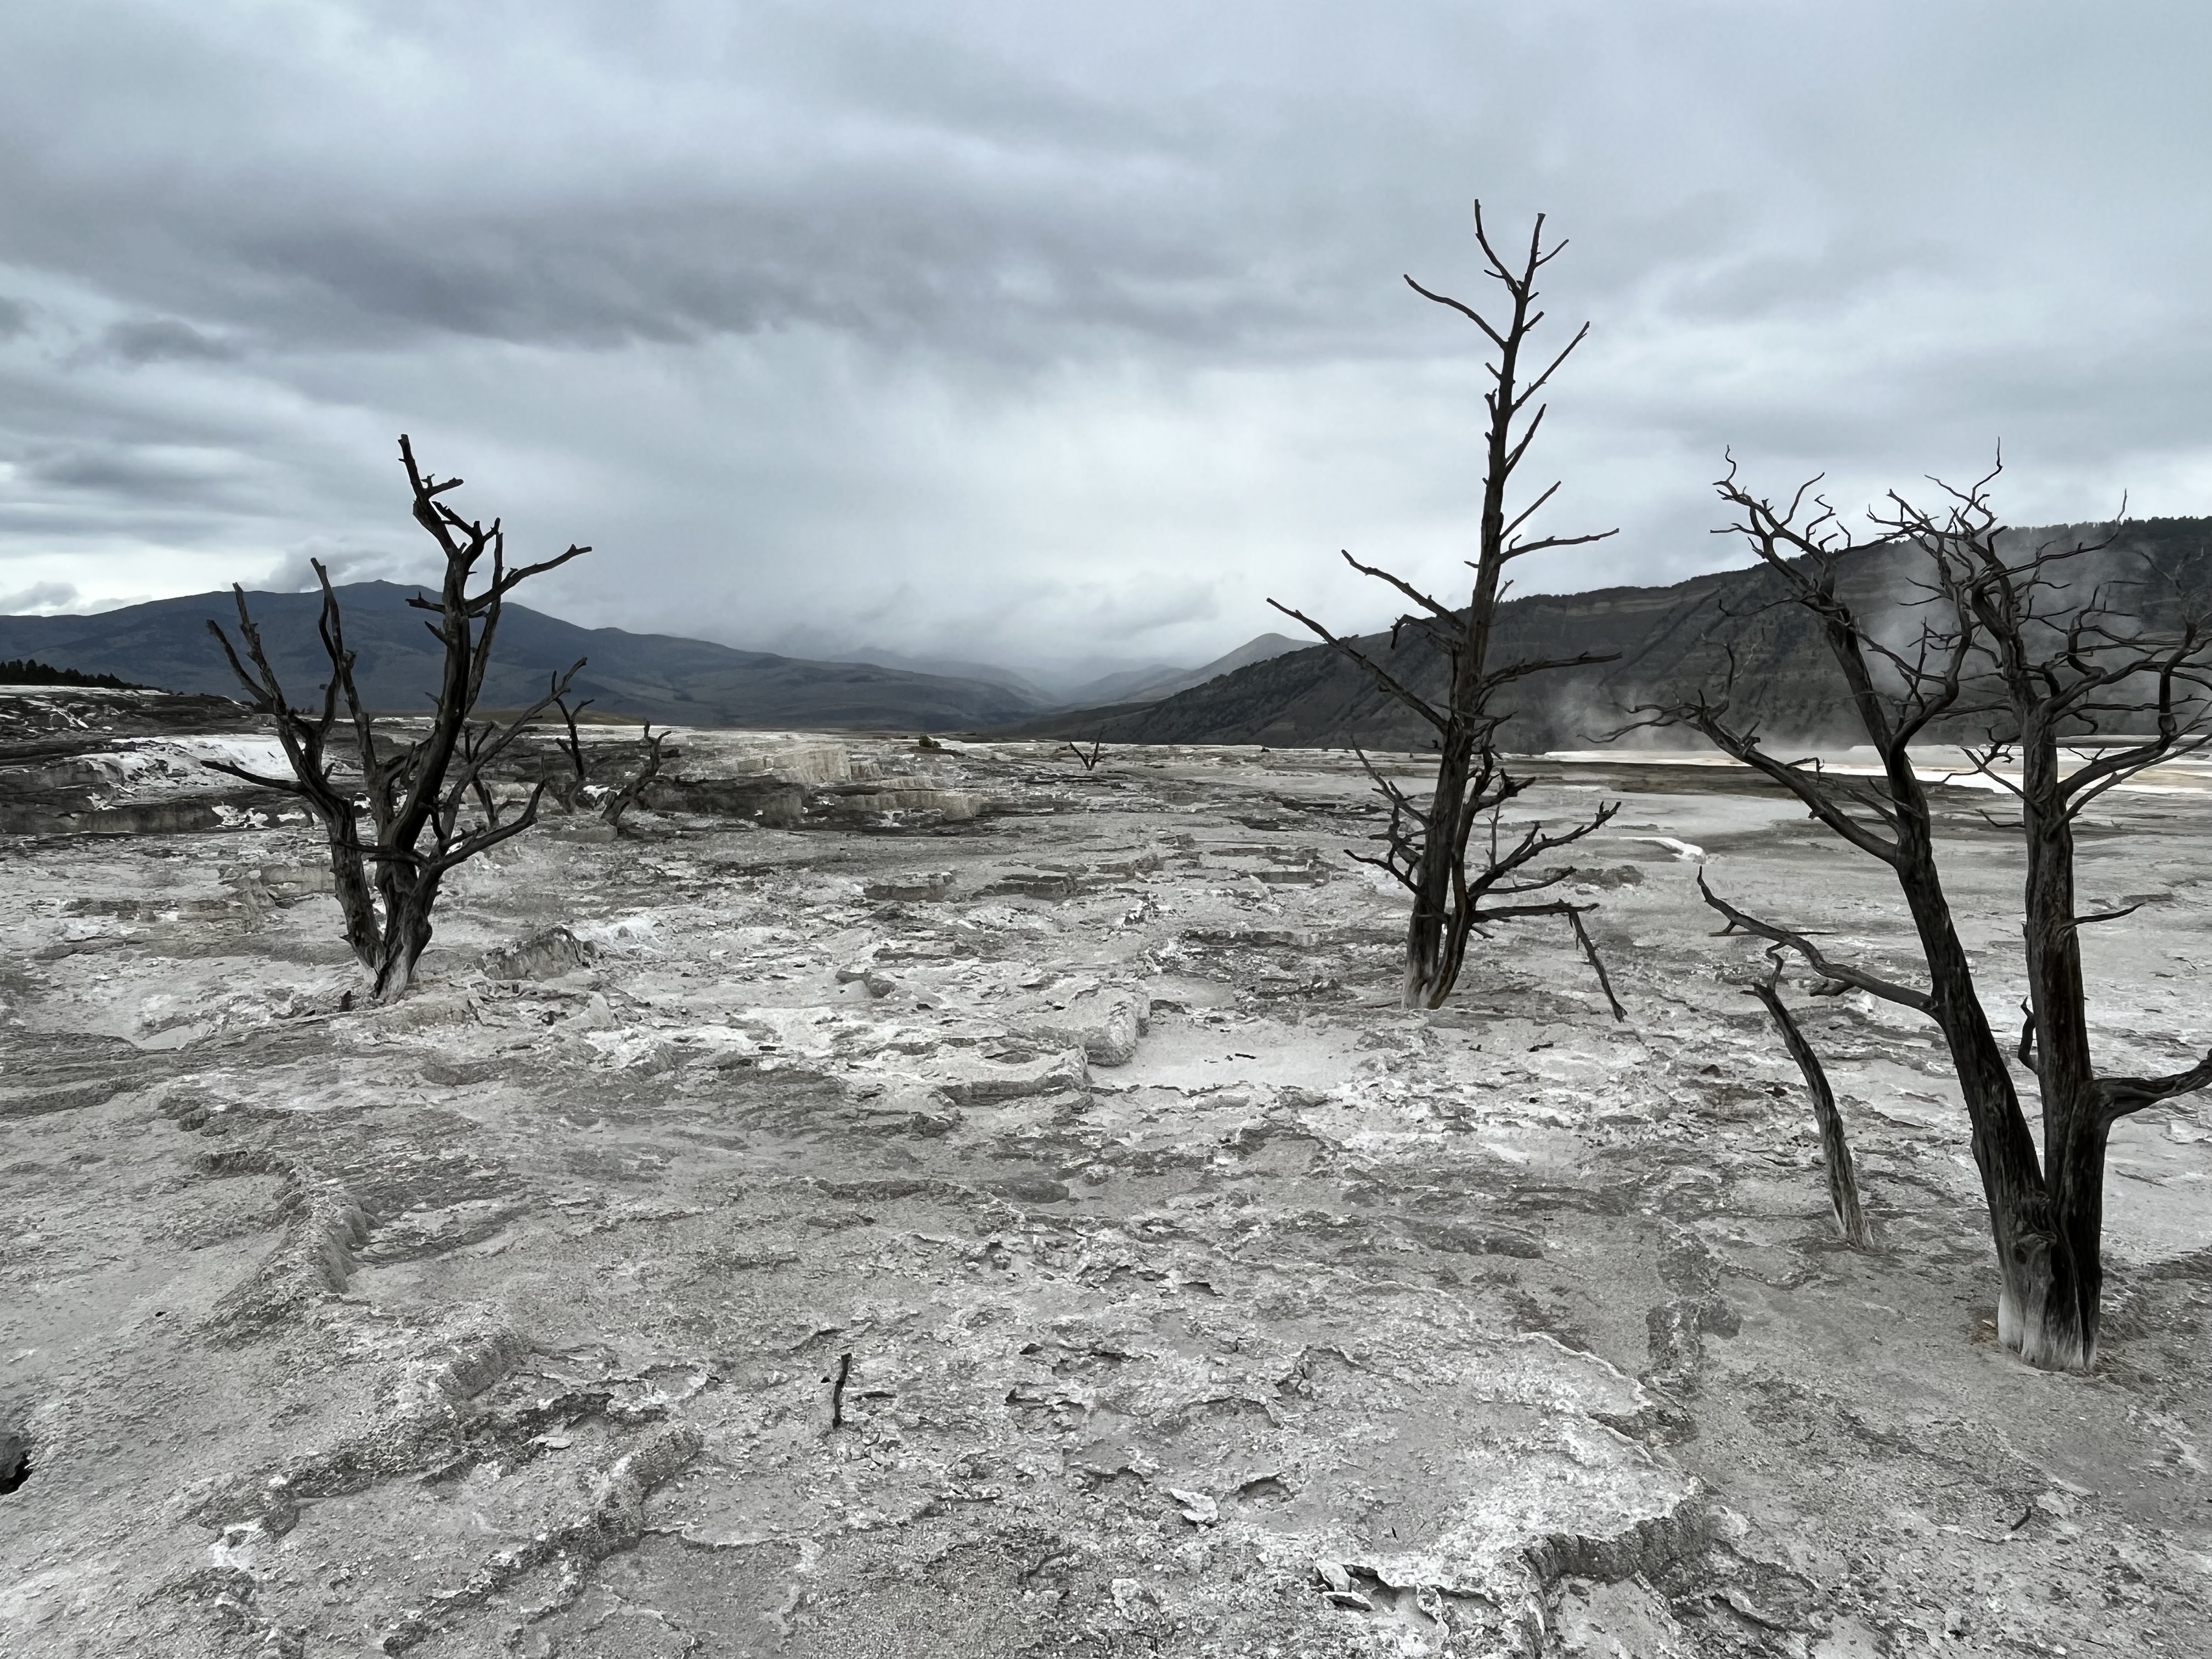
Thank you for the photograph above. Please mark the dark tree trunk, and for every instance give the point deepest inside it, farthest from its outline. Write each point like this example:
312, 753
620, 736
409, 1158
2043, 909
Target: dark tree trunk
349, 880
2003, 1150
1835, 1146
2060, 1311
2044, 1206
1428, 846
406, 935
1435, 938
387, 883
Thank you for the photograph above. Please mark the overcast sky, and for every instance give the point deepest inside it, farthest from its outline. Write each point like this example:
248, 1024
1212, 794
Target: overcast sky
1047, 333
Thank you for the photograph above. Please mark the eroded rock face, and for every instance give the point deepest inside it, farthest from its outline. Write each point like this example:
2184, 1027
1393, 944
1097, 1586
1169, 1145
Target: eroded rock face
817, 784
1104, 1021
815, 1240
83, 762
777, 803
549, 954
913, 886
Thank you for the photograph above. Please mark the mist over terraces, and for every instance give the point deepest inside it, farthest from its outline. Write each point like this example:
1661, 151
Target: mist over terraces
1666, 642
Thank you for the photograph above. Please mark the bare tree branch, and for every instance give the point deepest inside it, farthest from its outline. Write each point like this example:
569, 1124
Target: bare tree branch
1835, 1147
1857, 978
415, 794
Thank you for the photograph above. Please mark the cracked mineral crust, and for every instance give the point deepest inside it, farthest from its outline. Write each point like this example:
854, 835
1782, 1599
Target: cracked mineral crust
952, 1203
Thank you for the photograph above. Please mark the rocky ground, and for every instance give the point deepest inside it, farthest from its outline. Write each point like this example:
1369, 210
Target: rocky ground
958, 1203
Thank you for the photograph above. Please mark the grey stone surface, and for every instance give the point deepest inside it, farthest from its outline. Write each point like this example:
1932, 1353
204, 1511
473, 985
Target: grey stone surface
1188, 1296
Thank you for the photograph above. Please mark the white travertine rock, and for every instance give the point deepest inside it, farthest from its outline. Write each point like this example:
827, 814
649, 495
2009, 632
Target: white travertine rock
966, 1076
1104, 1021
882, 1264
794, 760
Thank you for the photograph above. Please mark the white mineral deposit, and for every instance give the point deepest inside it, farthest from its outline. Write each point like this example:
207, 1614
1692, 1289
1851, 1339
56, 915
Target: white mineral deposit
1004, 1208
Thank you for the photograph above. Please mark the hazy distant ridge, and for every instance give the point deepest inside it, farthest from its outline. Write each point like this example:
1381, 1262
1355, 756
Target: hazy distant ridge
659, 676
1667, 641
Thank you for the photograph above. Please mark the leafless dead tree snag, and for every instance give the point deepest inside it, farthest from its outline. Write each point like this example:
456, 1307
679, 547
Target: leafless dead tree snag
416, 795
568, 788
2063, 678
632, 788
1835, 1145
1427, 847
1087, 756
573, 792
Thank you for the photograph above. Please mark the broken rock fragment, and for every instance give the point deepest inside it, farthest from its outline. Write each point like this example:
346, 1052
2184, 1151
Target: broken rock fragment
1196, 1507
969, 1077
919, 886
1104, 1021
547, 955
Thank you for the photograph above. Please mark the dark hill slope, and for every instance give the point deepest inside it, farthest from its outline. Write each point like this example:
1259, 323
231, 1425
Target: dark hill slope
658, 677
1668, 640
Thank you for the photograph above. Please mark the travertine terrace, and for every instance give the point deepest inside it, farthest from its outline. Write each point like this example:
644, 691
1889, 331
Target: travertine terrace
997, 1208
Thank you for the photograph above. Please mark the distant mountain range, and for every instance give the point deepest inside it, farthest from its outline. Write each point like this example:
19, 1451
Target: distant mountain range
1665, 642
1133, 686
1150, 685
658, 677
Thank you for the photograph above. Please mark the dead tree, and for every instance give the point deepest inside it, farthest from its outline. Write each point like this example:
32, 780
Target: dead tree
415, 794
570, 788
2007, 646
1090, 757
1457, 890
1835, 1145
573, 792
632, 789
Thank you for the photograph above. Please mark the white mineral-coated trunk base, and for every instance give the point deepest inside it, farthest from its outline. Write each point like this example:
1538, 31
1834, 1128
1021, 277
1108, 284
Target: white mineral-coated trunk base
2025, 1327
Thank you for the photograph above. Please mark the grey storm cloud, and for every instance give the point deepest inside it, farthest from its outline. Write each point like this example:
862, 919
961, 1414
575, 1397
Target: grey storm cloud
40, 598
137, 473
295, 572
159, 339
992, 326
